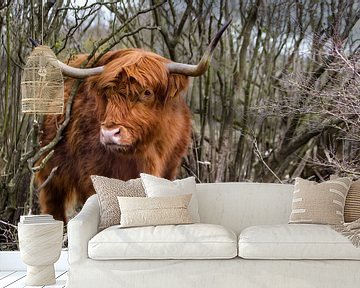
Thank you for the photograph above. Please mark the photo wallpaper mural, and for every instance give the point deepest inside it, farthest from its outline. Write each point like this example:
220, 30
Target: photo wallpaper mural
278, 100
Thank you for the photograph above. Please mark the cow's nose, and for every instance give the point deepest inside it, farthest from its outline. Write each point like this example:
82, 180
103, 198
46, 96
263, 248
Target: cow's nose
110, 136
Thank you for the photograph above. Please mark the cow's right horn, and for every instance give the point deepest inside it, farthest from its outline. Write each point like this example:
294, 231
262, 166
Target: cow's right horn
78, 72
202, 66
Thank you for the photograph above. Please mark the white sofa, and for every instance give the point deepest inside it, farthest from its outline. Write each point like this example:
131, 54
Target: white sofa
253, 219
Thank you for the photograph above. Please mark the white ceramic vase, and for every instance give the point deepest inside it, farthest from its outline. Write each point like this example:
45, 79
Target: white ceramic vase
40, 247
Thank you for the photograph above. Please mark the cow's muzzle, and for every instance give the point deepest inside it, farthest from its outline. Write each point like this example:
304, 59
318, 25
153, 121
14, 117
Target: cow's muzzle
110, 136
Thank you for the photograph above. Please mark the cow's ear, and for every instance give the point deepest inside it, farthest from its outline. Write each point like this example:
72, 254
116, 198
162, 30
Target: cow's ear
177, 84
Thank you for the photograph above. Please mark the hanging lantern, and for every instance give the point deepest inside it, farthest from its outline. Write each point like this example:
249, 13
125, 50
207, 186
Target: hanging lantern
42, 83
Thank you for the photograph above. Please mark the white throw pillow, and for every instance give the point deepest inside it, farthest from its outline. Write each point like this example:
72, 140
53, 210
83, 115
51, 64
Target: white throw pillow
159, 187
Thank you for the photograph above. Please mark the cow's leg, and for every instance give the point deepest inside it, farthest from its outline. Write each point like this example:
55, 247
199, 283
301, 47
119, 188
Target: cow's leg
53, 200
173, 163
156, 164
151, 163
171, 169
160, 168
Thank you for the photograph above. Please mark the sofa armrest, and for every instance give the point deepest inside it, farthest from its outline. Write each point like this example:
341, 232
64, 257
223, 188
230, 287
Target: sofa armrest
82, 228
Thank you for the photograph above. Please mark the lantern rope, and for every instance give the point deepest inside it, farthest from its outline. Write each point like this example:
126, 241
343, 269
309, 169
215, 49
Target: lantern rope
42, 22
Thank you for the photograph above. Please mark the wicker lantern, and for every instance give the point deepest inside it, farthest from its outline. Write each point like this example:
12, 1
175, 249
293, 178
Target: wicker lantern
42, 83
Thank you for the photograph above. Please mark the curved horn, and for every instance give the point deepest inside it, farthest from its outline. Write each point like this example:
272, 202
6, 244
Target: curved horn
72, 71
199, 69
78, 72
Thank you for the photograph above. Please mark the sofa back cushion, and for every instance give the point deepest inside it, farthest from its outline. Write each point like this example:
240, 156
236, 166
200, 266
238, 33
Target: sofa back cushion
239, 205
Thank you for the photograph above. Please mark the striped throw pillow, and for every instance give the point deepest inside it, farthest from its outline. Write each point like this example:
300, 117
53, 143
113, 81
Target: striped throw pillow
352, 203
320, 203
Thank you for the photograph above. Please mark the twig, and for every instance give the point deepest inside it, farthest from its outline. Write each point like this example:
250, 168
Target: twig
61, 128
84, 7
8, 224
347, 62
258, 154
51, 175
43, 162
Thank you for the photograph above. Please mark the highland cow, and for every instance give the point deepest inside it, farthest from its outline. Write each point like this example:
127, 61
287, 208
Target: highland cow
128, 117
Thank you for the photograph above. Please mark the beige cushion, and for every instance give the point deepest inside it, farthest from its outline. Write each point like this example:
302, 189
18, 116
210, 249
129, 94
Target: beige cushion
301, 241
160, 187
139, 211
107, 190
192, 241
352, 202
321, 203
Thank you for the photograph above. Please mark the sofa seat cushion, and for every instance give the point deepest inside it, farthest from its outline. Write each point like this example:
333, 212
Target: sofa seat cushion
192, 241
295, 241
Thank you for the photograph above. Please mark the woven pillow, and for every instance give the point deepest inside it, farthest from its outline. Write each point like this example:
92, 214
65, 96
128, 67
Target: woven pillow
107, 190
138, 211
320, 203
160, 187
352, 202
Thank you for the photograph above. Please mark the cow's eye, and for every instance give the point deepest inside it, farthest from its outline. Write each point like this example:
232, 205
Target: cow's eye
147, 93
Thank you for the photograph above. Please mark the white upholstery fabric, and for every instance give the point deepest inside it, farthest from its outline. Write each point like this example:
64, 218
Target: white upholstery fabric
233, 205
82, 228
193, 241
295, 241
229, 273
240, 205
160, 187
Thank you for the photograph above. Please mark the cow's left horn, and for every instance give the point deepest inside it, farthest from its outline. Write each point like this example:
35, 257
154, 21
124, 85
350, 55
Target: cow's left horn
199, 69
79, 73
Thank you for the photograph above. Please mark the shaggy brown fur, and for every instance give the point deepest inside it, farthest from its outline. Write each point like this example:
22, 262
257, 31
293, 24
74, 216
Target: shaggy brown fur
135, 92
